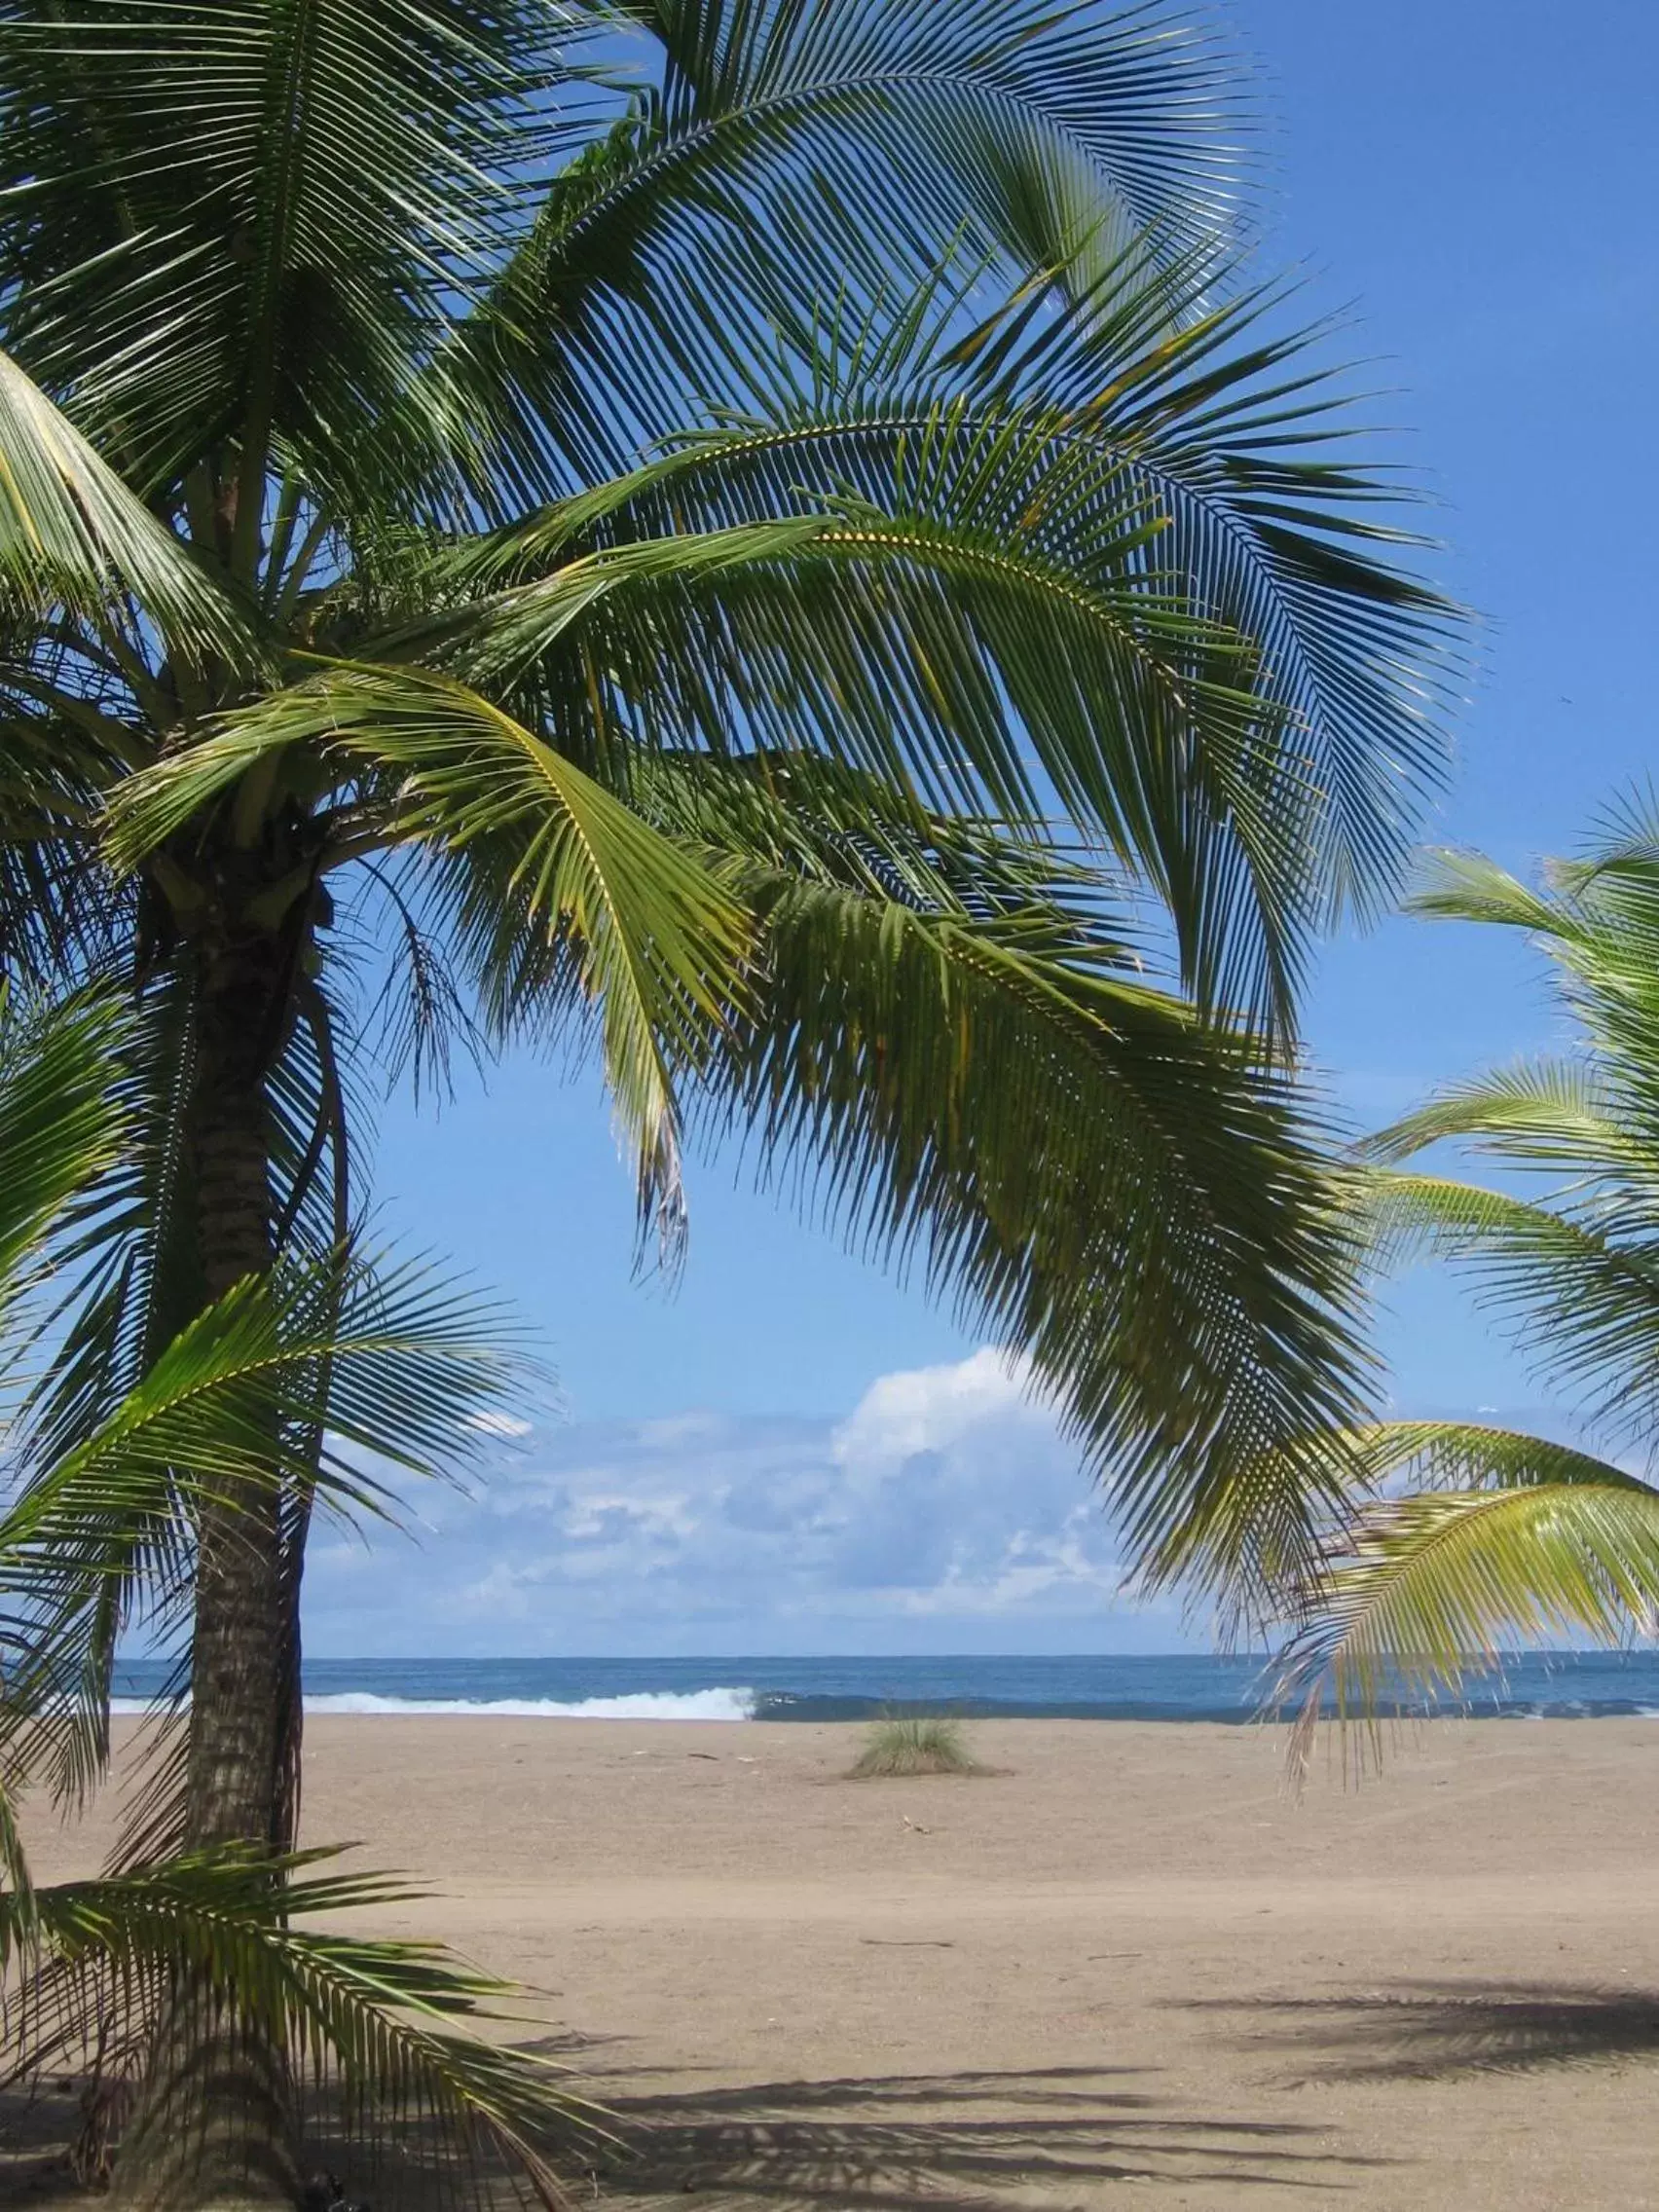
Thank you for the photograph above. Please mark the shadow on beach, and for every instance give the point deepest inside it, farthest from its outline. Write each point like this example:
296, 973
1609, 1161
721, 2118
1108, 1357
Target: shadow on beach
899, 2143
926, 2143
1432, 2031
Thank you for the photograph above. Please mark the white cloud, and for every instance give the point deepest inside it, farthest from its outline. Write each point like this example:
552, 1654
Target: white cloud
926, 1408
611, 1516
943, 1510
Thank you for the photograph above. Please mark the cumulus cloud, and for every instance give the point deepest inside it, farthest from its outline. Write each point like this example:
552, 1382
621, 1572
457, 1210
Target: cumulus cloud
943, 1512
925, 1409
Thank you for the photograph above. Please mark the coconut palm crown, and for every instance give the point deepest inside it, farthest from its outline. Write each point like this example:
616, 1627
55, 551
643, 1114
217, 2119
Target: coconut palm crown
1484, 1539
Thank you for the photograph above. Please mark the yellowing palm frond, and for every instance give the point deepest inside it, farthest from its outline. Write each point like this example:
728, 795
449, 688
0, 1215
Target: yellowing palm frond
1433, 1585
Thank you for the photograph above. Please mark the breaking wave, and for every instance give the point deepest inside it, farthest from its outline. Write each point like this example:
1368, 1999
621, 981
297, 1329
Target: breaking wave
640, 1705
643, 1705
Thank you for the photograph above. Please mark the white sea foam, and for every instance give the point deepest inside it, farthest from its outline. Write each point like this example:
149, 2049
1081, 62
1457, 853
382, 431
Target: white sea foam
734, 1704
724, 1703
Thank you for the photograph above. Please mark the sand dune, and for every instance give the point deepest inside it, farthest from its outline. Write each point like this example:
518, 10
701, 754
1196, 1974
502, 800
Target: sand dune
1124, 1969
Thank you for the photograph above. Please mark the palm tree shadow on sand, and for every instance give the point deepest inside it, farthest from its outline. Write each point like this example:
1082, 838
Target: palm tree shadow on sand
927, 2143
1435, 2031
960, 2142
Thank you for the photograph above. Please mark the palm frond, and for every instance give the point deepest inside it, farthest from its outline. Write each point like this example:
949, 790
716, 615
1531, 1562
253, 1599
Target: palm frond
1088, 1175
1501, 1537
1140, 456
1467, 887
127, 1275
314, 1380
62, 1125
954, 1058
420, 1019
990, 671
1580, 1295
1249, 447
237, 222
384, 2031
780, 153
73, 534
807, 814
1548, 1116
550, 873
1469, 1455
1430, 1587
1141, 94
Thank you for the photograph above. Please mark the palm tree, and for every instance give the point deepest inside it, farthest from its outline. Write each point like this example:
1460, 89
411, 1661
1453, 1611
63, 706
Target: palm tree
94, 1536
1482, 1537
799, 574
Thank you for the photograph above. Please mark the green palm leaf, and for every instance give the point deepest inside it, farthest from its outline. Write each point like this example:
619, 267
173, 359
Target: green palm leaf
1482, 1538
1062, 1150
1467, 887
1110, 467
248, 220
97, 1535
389, 2031
1553, 1543
1580, 1296
71, 532
908, 641
311, 1381
62, 1125
780, 154
1550, 1115
548, 871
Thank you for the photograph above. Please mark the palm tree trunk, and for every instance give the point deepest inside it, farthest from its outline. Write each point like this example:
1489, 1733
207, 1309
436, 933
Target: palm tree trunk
238, 1658
215, 2129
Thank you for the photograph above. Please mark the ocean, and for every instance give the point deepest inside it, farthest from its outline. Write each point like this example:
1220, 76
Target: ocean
758, 1689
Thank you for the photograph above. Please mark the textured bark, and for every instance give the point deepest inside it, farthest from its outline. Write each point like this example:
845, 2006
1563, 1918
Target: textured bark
237, 1670
214, 2129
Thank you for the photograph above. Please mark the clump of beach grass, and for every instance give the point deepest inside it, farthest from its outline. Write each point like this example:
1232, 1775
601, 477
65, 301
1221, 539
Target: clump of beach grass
899, 1744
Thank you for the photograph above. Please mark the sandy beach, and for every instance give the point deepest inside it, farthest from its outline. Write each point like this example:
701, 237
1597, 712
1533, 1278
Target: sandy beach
1124, 1969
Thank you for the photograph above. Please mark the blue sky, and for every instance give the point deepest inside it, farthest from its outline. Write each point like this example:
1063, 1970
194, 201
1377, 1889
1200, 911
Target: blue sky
792, 1452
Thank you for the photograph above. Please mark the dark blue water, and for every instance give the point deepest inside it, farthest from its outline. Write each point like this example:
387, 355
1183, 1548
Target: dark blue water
1173, 1689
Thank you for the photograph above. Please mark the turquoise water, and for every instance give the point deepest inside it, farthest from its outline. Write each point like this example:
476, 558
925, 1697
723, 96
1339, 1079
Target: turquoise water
760, 1688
